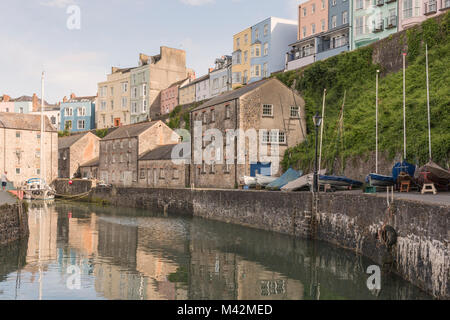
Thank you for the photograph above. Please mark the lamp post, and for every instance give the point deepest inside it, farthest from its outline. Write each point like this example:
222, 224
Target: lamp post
317, 122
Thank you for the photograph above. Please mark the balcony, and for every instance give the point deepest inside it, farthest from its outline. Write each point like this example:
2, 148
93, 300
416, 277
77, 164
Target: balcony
391, 22
300, 62
430, 7
331, 52
379, 3
378, 27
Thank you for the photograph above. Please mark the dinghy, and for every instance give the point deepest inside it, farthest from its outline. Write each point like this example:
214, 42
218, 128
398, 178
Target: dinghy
249, 181
302, 182
379, 180
435, 174
264, 180
339, 182
287, 177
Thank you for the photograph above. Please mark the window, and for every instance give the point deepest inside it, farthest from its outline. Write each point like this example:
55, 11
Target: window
245, 56
142, 174
294, 112
238, 42
313, 8
256, 34
323, 4
144, 106
236, 77
144, 90
135, 92
215, 85
17, 170
266, 49
81, 124
38, 136
161, 173
245, 77
204, 117
359, 4
304, 32
68, 112
407, 9
38, 171
255, 71
103, 91
313, 28
175, 174
237, 57
267, 110
333, 22
333, 2
21, 110
112, 104
359, 22
265, 71
103, 105
37, 154
281, 137
323, 24
274, 137
266, 30
134, 107
304, 12
68, 124
227, 112
227, 168
344, 17
246, 38
124, 102
224, 81
124, 87
82, 112
112, 91
213, 116
213, 168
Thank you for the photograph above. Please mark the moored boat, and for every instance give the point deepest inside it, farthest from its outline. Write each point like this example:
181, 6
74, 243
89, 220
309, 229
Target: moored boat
249, 181
339, 182
379, 180
435, 174
37, 189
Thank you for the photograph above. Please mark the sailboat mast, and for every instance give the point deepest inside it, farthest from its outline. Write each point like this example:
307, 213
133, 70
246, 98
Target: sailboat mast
428, 102
42, 171
321, 129
376, 126
404, 105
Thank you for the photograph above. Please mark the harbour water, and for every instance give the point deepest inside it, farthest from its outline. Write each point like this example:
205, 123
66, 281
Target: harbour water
76, 251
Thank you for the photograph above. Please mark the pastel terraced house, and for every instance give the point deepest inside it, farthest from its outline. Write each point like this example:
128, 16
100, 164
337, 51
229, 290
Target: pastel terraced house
78, 113
413, 12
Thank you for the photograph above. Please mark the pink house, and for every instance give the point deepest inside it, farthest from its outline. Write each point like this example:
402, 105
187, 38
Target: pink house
5, 104
312, 18
412, 12
169, 97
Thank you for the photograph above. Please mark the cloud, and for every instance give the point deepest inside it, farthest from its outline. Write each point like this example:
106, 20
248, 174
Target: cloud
197, 3
57, 3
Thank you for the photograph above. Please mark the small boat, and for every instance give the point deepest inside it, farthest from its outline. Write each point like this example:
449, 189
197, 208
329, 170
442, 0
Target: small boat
249, 181
287, 177
339, 182
435, 174
38, 189
302, 182
264, 180
379, 180
404, 166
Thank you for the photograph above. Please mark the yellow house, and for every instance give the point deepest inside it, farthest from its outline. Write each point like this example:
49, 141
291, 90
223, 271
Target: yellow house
242, 42
186, 93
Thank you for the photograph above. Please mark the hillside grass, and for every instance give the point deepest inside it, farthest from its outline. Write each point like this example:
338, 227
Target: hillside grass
355, 73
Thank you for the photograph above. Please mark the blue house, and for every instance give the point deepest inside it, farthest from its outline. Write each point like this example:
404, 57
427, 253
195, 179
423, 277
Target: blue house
78, 114
270, 42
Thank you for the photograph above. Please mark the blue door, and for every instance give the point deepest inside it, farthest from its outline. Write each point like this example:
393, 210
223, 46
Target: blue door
260, 168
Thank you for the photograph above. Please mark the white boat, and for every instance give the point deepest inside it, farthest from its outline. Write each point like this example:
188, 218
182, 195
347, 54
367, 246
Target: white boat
249, 181
37, 189
264, 180
303, 181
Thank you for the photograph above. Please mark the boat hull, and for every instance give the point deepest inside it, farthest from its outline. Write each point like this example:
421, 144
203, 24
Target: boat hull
340, 182
264, 180
378, 180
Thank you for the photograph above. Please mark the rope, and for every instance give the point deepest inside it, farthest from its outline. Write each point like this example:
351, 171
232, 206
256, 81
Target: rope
81, 195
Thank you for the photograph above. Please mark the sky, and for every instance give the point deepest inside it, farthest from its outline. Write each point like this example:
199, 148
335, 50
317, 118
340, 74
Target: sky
34, 37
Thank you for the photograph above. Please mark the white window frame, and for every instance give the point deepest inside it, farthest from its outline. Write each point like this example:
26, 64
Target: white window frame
83, 124
267, 110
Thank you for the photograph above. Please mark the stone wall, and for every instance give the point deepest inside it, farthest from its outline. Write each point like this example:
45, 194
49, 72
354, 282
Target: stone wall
348, 220
13, 223
78, 186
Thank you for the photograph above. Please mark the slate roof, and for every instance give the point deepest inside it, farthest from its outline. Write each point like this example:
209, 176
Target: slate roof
92, 163
131, 130
234, 94
82, 99
197, 80
23, 121
164, 153
67, 142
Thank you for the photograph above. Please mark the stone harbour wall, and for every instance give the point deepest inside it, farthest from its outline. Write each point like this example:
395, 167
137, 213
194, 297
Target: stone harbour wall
348, 220
13, 223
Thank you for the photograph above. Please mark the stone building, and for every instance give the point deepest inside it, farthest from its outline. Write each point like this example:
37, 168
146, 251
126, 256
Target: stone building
75, 150
157, 168
275, 112
121, 149
89, 169
20, 147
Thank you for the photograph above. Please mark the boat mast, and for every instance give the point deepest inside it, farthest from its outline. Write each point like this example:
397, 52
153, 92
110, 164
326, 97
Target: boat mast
404, 106
42, 172
428, 102
321, 129
376, 126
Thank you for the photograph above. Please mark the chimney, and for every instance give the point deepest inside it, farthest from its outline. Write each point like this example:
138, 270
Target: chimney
114, 69
210, 70
6, 98
35, 102
72, 95
143, 59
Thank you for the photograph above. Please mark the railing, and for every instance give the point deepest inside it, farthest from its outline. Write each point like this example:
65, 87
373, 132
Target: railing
391, 22
430, 7
379, 2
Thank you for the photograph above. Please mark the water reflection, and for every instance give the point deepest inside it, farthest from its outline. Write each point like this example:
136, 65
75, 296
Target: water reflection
132, 254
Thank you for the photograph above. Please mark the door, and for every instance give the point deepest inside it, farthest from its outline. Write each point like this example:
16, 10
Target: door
260, 168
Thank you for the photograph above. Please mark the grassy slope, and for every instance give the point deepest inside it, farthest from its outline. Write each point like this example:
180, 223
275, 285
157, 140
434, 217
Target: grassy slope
354, 72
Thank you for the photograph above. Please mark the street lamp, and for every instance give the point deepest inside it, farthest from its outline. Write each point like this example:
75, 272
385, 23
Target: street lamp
317, 123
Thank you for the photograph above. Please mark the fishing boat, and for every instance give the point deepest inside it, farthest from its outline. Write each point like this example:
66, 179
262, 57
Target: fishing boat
434, 173
249, 181
37, 189
339, 182
263, 181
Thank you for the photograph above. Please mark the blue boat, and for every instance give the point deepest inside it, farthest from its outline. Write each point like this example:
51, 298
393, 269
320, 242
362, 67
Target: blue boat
404, 166
287, 177
337, 181
379, 180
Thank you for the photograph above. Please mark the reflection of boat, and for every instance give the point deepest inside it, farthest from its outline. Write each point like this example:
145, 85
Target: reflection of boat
264, 180
249, 181
379, 180
435, 174
336, 181
38, 189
